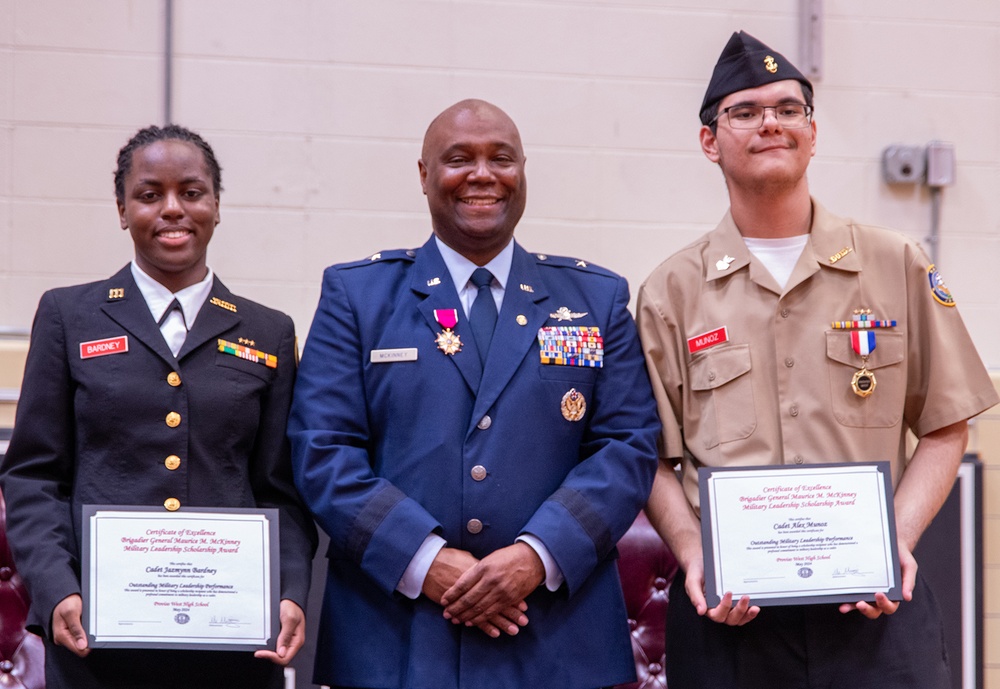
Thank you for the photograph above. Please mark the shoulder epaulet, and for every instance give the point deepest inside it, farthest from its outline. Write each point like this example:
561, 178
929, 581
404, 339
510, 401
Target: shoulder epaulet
569, 262
382, 257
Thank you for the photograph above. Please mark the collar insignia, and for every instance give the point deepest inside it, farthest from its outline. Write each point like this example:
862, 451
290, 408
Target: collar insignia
215, 301
724, 262
840, 254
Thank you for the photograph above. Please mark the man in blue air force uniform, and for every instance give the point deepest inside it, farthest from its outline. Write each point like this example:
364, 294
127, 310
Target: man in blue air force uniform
473, 442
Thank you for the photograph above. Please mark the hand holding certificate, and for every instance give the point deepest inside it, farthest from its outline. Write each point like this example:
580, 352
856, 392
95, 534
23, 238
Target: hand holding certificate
200, 579
795, 535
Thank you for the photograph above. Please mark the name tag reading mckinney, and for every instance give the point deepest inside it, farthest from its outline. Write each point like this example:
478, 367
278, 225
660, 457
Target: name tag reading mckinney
823, 533
202, 578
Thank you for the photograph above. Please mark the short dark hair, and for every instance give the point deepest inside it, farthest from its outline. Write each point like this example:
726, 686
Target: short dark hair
709, 113
152, 134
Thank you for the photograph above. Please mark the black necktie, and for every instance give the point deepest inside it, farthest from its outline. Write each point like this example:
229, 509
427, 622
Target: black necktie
483, 316
170, 309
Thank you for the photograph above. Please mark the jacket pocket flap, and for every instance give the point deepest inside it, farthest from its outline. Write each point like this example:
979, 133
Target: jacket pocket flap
890, 348
718, 367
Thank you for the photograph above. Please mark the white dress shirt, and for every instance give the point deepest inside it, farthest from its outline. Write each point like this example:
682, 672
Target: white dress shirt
158, 298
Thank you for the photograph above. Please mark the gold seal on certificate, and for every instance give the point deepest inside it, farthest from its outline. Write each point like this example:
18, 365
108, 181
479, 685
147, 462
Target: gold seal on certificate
197, 578
787, 535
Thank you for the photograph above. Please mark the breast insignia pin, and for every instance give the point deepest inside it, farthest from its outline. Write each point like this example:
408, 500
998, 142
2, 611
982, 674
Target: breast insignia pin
564, 314
573, 406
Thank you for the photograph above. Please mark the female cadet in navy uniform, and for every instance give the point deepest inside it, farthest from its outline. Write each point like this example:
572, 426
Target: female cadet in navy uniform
129, 398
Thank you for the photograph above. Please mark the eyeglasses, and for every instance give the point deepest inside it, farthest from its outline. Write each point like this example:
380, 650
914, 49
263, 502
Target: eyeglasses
789, 115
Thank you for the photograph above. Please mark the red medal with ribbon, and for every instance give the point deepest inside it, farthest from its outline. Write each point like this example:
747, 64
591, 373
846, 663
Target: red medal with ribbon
447, 340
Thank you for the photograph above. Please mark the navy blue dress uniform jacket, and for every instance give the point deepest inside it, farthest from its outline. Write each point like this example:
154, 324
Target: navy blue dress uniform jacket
384, 455
93, 430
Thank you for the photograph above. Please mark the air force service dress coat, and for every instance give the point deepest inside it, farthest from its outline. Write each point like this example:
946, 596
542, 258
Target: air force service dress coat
393, 439
95, 430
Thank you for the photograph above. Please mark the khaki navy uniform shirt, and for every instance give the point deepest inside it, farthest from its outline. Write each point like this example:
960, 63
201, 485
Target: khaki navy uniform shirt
747, 374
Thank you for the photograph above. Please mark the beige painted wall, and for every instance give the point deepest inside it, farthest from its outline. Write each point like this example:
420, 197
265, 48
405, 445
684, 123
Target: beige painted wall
316, 109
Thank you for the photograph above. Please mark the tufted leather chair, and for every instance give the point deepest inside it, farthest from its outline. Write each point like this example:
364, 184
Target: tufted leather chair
646, 567
22, 656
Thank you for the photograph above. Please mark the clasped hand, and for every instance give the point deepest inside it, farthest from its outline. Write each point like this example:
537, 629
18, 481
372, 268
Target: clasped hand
489, 593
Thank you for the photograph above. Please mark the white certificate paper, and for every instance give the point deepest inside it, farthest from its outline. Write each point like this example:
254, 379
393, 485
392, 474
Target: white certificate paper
199, 579
795, 535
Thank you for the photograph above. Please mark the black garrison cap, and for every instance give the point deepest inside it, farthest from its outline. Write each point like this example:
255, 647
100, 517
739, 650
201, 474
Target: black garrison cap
746, 63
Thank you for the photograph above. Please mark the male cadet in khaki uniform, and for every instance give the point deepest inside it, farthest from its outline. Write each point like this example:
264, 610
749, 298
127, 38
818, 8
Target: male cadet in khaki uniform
749, 367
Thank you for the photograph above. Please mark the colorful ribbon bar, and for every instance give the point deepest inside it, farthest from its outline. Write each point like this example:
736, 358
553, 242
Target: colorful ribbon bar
244, 352
863, 321
571, 346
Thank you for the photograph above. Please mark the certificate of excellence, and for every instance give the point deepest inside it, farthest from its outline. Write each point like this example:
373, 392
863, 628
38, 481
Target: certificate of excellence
198, 578
821, 533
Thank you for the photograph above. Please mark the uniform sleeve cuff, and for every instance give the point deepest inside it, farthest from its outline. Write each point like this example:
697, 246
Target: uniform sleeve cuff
553, 575
411, 584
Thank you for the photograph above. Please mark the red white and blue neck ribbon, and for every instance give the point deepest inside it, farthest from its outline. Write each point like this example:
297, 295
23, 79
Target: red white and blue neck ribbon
863, 341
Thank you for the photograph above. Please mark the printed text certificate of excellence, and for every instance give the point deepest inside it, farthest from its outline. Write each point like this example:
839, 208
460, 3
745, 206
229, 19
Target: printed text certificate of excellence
202, 579
793, 535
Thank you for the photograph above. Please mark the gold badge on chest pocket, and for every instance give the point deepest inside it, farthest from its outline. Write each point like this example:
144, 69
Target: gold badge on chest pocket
574, 405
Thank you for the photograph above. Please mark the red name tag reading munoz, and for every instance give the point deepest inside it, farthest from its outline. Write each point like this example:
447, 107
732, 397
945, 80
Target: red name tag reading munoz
112, 345
709, 339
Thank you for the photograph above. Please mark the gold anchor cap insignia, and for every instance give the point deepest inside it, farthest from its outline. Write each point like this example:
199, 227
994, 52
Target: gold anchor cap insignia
770, 65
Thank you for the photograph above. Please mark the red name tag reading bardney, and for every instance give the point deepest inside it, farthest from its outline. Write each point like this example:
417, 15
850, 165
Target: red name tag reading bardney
112, 345
709, 339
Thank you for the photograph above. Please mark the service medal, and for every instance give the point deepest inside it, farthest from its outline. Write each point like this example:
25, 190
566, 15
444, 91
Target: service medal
863, 382
863, 343
573, 406
447, 340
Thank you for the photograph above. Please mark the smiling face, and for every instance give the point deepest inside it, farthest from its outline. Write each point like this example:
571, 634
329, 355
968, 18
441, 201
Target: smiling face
171, 208
472, 171
769, 157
